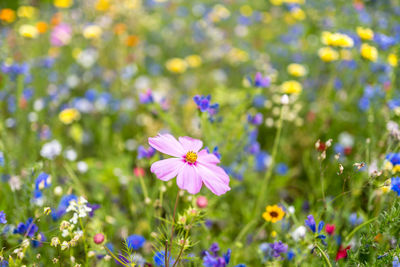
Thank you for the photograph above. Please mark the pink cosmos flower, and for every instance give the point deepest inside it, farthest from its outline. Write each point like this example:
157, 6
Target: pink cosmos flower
191, 166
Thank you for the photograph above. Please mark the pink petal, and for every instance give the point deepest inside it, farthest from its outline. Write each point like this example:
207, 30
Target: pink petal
188, 179
214, 178
204, 157
167, 144
167, 169
190, 144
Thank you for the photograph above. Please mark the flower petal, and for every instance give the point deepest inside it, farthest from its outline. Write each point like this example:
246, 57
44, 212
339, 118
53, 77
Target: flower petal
188, 179
190, 144
217, 182
204, 157
218, 171
167, 144
167, 169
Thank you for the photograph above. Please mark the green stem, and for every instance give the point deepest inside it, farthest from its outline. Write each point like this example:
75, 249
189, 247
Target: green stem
350, 235
324, 256
115, 257
172, 229
268, 175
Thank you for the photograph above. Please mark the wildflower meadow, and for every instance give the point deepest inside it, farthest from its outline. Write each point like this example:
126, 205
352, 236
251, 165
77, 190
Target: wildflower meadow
199, 133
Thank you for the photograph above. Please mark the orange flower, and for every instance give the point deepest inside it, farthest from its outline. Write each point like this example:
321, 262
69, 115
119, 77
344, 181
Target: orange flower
7, 15
41, 27
119, 28
56, 19
132, 40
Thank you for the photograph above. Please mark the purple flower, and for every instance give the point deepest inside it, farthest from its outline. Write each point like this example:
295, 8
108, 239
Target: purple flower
61, 35
3, 217
213, 260
29, 228
146, 97
256, 119
310, 222
260, 81
145, 153
204, 104
278, 248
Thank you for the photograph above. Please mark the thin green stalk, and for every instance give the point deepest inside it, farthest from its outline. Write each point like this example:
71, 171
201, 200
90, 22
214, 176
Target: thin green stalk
172, 229
350, 235
324, 256
144, 188
268, 175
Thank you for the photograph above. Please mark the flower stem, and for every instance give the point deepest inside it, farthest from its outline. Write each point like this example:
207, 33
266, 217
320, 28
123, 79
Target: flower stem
268, 175
172, 229
324, 256
350, 235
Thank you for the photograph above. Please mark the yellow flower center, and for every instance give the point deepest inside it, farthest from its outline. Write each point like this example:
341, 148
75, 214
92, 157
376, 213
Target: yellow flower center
191, 157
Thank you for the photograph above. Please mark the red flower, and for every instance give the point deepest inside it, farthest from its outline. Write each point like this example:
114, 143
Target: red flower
330, 228
342, 253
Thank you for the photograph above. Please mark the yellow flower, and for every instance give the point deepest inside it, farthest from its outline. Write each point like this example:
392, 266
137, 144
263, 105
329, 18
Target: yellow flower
7, 15
365, 33
369, 52
328, 54
92, 32
103, 5
63, 3
237, 55
28, 31
219, 12
291, 87
296, 70
67, 116
392, 60
246, 10
193, 61
273, 214
273, 234
396, 168
336, 39
385, 189
176, 65
26, 12
298, 13
294, 1
276, 2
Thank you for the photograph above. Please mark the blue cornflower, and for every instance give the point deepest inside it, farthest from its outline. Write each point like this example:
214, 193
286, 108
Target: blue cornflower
291, 255
281, 168
262, 161
159, 259
135, 242
395, 185
395, 262
354, 219
42, 181
3, 219
1, 159
394, 158
145, 153
62, 207
310, 222
3, 263
29, 228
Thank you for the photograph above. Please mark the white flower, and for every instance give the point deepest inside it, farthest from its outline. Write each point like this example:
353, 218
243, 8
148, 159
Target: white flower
51, 149
299, 233
82, 166
70, 154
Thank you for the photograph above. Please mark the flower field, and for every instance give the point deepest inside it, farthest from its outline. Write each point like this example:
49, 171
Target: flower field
199, 133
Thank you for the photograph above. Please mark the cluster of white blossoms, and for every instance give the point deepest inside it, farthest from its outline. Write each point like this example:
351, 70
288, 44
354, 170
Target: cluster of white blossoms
79, 208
